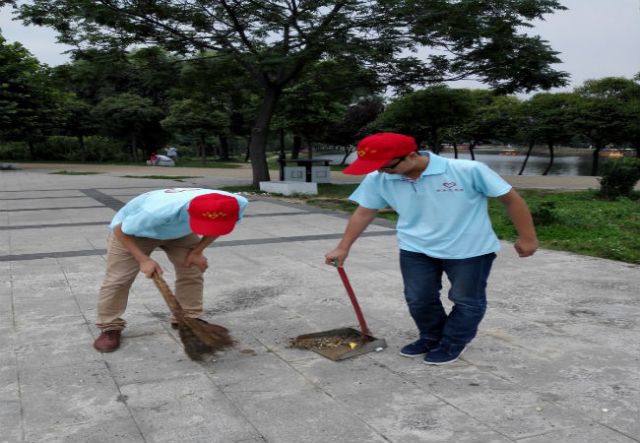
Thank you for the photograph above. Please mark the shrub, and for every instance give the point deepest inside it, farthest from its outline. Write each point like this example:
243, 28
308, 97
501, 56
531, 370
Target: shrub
618, 177
544, 214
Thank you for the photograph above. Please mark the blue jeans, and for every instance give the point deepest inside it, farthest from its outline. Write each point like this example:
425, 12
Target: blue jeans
422, 277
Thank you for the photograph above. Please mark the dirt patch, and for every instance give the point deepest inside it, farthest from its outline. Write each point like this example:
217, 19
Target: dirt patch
244, 298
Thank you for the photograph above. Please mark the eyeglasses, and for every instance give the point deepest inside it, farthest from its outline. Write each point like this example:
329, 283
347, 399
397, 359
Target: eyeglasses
393, 165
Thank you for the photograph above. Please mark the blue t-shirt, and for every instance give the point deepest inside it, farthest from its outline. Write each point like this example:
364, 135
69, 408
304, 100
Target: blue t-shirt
443, 214
162, 214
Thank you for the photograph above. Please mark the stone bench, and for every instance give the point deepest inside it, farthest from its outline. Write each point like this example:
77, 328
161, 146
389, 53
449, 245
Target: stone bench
290, 188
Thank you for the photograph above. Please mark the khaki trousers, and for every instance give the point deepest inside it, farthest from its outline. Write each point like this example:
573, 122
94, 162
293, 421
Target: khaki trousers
122, 269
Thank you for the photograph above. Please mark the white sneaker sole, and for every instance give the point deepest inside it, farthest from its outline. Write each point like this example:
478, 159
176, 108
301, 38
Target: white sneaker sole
412, 355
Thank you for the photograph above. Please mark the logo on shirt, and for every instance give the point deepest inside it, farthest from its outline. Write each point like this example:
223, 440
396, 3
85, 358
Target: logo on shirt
449, 186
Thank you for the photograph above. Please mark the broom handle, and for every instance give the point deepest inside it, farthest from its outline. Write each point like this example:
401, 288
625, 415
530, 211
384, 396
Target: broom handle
354, 301
168, 296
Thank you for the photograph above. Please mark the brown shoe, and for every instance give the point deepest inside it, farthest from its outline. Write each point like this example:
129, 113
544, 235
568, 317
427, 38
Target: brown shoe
211, 327
108, 341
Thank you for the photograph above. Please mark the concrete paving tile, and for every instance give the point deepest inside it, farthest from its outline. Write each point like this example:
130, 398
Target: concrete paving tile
263, 373
591, 433
506, 407
115, 429
60, 216
403, 412
44, 269
56, 342
9, 389
33, 310
148, 353
44, 202
309, 416
30, 241
10, 421
61, 397
187, 408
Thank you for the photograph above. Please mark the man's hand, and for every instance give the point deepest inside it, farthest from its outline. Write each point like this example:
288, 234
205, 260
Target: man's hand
338, 254
197, 259
149, 266
526, 248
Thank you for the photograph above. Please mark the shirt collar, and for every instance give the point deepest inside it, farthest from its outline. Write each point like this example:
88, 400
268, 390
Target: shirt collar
437, 165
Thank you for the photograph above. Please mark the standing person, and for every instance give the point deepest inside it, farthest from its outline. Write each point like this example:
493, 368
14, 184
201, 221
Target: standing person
172, 220
443, 227
172, 153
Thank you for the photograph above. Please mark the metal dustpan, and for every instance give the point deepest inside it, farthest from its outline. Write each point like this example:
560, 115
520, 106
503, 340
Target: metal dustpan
341, 343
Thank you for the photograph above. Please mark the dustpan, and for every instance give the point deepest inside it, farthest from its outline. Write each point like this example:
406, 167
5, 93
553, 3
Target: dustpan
339, 344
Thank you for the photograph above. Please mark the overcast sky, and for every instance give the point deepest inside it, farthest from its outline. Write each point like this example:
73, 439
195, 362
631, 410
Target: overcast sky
595, 38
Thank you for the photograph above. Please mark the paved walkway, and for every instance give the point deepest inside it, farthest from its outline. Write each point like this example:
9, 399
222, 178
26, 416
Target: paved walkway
242, 175
557, 358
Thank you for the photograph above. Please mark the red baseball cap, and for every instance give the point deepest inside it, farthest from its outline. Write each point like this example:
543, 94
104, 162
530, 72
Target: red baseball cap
379, 149
213, 214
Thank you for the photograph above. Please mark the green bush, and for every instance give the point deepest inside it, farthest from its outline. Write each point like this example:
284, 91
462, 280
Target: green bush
14, 151
544, 214
61, 148
618, 177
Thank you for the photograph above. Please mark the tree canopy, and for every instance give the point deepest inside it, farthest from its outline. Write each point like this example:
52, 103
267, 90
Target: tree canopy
274, 41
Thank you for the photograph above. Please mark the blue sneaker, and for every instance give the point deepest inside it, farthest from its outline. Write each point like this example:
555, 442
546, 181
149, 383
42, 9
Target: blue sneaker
444, 354
418, 347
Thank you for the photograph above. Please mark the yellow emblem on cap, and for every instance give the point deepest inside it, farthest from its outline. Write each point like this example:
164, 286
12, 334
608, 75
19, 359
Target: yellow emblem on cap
365, 151
214, 215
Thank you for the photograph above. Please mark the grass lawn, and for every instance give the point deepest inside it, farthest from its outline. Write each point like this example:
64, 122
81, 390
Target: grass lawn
577, 222
65, 172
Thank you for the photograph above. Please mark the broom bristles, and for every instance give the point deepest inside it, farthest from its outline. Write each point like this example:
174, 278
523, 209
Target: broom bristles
197, 340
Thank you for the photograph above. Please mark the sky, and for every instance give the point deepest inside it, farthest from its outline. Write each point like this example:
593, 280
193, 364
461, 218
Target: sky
595, 38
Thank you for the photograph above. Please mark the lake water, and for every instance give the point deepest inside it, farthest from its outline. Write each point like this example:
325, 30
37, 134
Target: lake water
511, 164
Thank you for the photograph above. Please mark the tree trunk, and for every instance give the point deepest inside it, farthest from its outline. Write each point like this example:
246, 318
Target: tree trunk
203, 149
594, 162
295, 149
472, 146
134, 148
247, 150
347, 152
526, 158
551, 157
224, 148
259, 133
455, 150
83, 148
32, 150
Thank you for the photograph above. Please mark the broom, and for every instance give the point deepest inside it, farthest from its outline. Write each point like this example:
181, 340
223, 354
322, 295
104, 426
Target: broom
196, 339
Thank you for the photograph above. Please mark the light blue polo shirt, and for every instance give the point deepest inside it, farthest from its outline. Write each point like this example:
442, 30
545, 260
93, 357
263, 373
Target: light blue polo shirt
162, 214
443, 214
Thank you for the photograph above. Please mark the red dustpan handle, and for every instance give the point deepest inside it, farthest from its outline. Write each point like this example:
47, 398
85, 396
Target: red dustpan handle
354, 301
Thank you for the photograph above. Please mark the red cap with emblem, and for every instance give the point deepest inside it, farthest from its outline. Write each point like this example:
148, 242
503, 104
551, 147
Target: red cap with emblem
213, 214
379, 149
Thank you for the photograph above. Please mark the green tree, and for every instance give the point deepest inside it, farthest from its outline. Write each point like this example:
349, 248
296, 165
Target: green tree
196, 120
352, 125
274, 41
427, 114
30, 108
218, 80
599, 112
320, 97
129, 117
549, 121
494, 117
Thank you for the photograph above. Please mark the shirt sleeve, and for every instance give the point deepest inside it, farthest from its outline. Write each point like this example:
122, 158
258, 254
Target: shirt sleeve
368, 193
243, 203
488, 182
